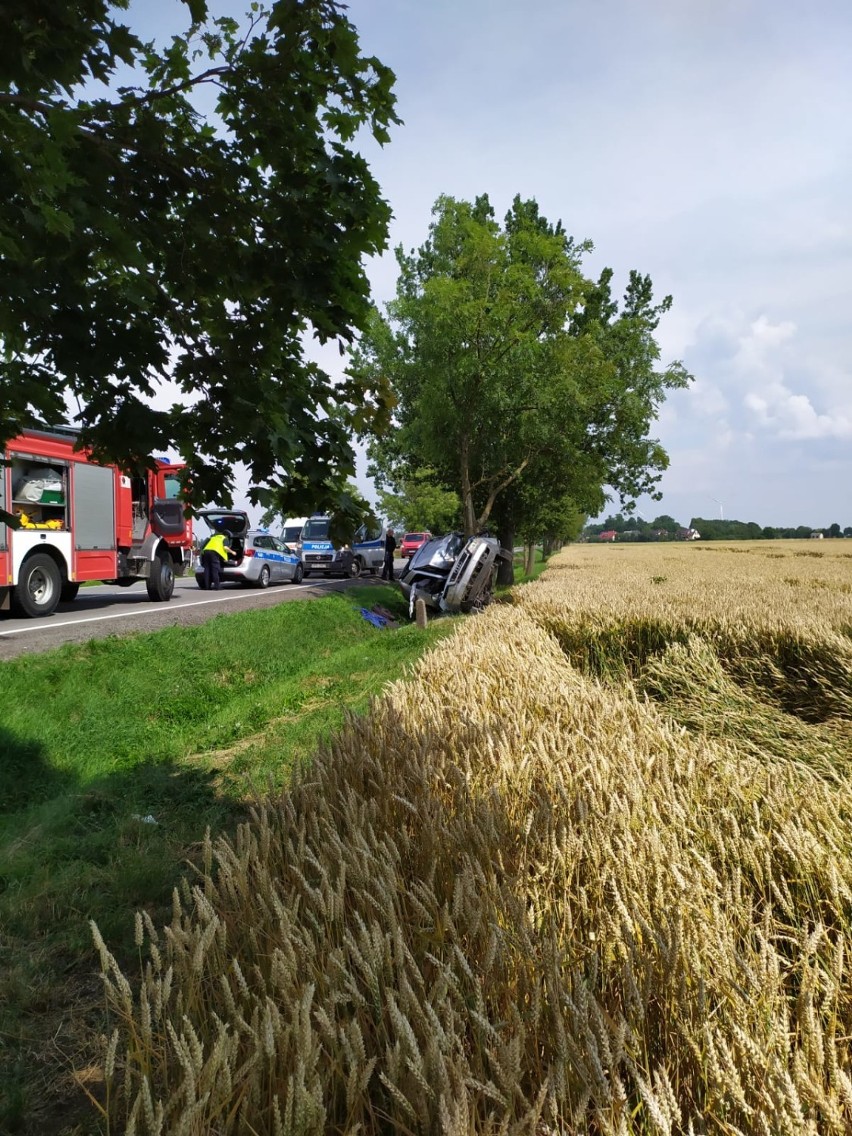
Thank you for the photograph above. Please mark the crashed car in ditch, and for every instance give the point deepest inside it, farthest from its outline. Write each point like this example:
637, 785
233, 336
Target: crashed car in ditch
453, 573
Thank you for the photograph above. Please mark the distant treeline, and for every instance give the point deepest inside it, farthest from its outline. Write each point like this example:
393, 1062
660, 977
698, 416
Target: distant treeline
667, 528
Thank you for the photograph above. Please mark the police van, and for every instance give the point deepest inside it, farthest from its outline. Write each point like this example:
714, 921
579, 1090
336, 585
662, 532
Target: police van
321, 555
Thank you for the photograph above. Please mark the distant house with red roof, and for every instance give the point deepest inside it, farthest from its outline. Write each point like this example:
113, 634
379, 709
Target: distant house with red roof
610, 534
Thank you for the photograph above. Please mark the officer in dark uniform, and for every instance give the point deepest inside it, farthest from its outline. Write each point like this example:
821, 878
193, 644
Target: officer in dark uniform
214, 554
390, 549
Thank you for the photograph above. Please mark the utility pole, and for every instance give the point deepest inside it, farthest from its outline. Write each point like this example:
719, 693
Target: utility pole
721, 511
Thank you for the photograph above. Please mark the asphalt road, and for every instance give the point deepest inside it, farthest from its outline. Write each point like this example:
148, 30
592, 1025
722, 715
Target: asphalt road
106, 609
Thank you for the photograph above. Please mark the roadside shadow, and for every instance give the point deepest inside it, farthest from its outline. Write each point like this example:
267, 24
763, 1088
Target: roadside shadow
26, 777
72, 851
96, 601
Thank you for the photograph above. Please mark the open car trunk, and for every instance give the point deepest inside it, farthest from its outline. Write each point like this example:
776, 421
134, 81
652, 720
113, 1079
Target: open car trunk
233, 524
237, 546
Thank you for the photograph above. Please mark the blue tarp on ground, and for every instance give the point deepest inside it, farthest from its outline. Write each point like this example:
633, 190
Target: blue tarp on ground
376, 620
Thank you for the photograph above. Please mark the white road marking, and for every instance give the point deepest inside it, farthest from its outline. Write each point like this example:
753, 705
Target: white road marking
149, 611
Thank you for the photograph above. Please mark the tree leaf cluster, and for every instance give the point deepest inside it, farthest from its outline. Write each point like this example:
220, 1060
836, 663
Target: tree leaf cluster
348, 511
419, 503
710, 529
183, 219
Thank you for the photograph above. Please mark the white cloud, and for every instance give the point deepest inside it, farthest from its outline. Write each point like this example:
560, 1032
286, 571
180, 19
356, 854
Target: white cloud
708, 399
771, 370
793, 416
759, 346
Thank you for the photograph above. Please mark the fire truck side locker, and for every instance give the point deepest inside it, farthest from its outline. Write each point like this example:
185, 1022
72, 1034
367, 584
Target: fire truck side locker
93, 521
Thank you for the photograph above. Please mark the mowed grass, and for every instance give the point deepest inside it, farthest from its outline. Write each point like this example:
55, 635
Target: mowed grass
117, 755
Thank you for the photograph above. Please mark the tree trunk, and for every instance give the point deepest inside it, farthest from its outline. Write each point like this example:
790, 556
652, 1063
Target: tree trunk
468, 513
529, 559
506, 571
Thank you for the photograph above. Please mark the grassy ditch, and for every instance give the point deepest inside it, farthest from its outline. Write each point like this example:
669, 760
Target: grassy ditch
539, 565
117, 755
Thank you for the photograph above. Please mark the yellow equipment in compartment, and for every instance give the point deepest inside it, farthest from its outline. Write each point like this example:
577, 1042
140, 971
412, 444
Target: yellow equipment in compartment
28, 522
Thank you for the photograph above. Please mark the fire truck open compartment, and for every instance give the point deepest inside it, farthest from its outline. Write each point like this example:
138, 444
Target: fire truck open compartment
40, 492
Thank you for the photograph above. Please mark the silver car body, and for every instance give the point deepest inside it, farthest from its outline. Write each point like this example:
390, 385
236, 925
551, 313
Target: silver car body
473, 575
262, 558
452, 574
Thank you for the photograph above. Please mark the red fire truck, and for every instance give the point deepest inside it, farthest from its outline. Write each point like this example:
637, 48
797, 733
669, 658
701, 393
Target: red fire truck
80, 520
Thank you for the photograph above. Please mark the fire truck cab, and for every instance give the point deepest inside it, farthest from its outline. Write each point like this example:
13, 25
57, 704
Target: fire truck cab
80, 520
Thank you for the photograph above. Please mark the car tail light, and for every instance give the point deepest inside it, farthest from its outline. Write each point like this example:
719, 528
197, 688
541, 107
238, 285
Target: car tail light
249, 552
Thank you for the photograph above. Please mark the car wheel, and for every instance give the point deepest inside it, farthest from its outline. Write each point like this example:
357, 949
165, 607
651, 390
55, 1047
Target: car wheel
354, 570
264, 577
297, 575
39, 586
161, 582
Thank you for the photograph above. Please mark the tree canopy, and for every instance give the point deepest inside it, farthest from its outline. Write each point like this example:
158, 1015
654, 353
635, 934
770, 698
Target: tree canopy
175, 222
515, 378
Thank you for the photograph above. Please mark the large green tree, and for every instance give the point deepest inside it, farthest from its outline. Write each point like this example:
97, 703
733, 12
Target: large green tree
514, 376
189, 214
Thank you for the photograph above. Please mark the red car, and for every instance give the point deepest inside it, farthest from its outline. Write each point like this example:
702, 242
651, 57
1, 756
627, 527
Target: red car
412, 541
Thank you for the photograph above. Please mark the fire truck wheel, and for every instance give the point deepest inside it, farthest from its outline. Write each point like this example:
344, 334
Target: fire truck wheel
161, 582
69, 592
264, 577
39, 586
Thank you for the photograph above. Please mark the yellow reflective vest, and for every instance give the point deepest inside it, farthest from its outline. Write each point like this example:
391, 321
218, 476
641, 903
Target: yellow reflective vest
216, 544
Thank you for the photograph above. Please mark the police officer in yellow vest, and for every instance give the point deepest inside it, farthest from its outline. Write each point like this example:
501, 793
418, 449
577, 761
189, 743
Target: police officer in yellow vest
214, 554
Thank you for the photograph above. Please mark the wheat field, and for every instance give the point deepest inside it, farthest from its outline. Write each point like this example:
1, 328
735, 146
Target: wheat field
588, 869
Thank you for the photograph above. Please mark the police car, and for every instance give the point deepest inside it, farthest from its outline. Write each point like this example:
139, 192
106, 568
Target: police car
262, 559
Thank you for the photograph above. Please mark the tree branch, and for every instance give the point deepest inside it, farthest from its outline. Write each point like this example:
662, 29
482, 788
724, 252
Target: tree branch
178, 88
30, 104
142, 100
497, 490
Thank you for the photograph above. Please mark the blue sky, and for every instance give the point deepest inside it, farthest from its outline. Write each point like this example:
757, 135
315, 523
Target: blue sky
707, 143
